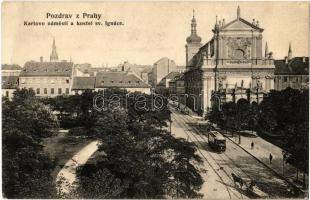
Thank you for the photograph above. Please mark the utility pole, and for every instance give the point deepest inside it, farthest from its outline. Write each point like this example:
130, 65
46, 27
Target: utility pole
217, 54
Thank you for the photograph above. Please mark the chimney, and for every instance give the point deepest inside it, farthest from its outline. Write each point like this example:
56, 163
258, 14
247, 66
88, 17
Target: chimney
304, 59
41, 58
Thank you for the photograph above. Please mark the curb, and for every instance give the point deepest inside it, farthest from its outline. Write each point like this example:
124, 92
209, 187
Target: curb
279, 175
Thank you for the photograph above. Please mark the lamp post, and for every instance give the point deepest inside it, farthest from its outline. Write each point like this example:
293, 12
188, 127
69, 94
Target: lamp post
257, 88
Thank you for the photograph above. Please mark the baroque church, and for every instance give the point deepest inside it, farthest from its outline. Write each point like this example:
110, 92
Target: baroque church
229, 67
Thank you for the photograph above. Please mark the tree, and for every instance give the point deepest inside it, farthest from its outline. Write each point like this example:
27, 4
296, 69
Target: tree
139, 159
286, 113
26, 168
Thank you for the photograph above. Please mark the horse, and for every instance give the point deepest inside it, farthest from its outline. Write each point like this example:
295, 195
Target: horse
237, 180
251, 185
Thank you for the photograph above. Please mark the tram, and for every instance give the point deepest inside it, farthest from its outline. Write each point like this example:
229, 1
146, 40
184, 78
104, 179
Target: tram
217, 141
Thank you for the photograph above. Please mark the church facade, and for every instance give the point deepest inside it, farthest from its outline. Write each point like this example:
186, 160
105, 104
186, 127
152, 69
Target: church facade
230, 66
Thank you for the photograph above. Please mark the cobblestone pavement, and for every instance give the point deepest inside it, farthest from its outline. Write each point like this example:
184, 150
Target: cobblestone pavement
262, 149
235, 160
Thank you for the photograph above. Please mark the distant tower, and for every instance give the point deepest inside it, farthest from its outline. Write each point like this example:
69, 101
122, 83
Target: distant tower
290, 54
193, 42
54, 55
266, 50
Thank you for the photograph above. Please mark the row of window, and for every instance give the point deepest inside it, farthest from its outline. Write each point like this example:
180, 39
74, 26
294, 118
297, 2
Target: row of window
23, 81
38, 91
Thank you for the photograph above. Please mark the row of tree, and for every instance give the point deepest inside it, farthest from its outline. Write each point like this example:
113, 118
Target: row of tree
26, 169
140, 158
282, 116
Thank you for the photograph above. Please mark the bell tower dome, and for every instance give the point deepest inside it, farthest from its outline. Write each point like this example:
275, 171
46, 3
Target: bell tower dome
193, 42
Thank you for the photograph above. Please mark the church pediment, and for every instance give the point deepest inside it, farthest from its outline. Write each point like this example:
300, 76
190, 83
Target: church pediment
240, 24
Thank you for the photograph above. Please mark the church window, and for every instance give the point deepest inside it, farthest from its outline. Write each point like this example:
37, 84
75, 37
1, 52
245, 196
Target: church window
38, 90
52, 90
285, 79
59, 91
67, 81
45, 90
67, 90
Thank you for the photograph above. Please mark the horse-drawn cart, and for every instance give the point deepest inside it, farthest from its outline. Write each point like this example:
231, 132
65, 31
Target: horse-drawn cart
249, 187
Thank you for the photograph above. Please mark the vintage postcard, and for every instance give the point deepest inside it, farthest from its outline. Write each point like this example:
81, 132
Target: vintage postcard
155, 100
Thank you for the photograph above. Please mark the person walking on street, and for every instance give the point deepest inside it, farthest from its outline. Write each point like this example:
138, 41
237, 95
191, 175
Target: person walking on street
270, 158
252, 145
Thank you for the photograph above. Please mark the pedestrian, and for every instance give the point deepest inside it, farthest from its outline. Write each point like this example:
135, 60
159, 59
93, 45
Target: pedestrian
252, 145
270, 158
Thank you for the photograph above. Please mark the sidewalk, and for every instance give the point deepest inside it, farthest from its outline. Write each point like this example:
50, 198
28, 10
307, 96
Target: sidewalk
262, 149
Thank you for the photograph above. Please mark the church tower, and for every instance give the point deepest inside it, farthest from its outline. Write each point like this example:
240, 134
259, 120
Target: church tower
290, 53
193, 43
54, 55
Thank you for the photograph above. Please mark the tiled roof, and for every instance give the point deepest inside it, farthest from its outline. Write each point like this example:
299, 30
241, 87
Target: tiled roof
119, 80
47, 69
10, 67
295, 66
9, 82
83, 83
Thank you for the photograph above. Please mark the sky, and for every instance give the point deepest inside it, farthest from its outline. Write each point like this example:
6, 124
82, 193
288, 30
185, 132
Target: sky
151, 30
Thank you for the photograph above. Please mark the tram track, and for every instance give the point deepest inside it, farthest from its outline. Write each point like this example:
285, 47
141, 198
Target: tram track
238, 171
261, 192
198, 143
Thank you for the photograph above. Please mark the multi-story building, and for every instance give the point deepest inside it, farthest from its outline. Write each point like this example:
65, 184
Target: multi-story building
82, 70
176, 85
145, 74
10, 70
47, 79
9, 86
10, 79
121, 80
82, 84
292, 72
228, 67
161, 68
165, 81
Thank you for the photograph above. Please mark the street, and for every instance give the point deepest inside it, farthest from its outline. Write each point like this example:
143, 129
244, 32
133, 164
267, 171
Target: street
218, 180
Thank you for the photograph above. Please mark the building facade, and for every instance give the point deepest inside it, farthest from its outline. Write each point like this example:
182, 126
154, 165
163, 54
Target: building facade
10, 70
292, 72
82, 84
165, 81
47, 79
161, 68
121, 80
9, 86
229, 67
